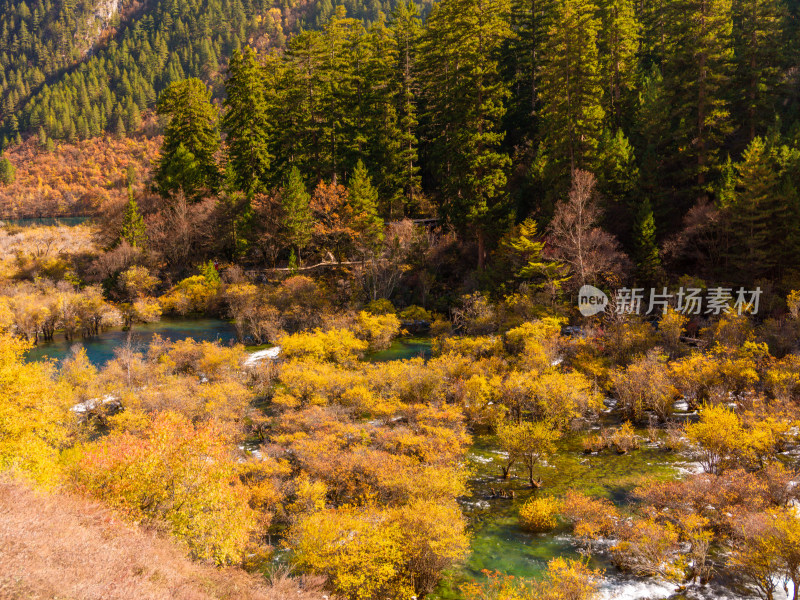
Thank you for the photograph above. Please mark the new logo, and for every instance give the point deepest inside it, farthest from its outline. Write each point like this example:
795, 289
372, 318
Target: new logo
591, 300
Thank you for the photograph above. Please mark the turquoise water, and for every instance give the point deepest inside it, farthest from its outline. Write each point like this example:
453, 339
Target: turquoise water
499, 543
101, 348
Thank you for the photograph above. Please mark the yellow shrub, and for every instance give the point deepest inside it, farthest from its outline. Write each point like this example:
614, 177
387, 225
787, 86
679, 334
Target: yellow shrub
336, 345
377, 330
476, 347
540, 514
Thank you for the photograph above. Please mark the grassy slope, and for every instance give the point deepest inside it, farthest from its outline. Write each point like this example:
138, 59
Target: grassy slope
62, 546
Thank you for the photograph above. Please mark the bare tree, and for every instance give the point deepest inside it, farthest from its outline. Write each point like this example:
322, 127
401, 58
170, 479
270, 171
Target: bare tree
701, 243
182, 232
576, 238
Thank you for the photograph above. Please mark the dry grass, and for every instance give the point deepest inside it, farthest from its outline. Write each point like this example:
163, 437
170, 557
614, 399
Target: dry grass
48, 241
65, 547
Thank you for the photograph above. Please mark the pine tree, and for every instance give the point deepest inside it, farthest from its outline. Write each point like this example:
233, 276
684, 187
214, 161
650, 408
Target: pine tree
650, 135
756, 217
133, 229
617, 182
407, 29
8, 173
187, 160
363, 201
246, 123
529, 22
465, 98
119, 127
297, 219
618, 44
697, 72
758, 25
571, 88
648, 261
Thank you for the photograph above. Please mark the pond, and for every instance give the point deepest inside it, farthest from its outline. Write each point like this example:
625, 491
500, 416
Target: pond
100, 349
403, 348
499, 543
44, 221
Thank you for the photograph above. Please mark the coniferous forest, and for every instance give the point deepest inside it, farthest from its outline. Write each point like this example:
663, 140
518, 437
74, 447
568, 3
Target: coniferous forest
457, 300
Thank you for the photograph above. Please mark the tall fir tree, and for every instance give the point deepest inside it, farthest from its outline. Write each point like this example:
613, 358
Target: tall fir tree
757, 216
465, 103
529, 22
758, 29
406, 30
246, 123
133, 230
697, 75
8, 173
617, 183
571, 87
187, 160
363, 202
645, 249
618, 44
297, 220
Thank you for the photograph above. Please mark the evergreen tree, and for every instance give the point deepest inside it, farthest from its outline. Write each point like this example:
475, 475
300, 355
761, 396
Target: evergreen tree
363, 201
465, 98
187, 160
297, 220
119, 127
651, 135
571, 89
697, 72
407, 29
618, 44
8, 172
523, 64
648, 261
133, 229
757, 216
303, 124
246, 123
617, 182
758, 28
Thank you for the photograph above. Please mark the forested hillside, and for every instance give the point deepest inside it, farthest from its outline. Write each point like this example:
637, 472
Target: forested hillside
74, 70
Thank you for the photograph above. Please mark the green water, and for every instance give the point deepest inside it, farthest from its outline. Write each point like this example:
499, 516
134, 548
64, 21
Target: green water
403, 348
100, 349
498, 541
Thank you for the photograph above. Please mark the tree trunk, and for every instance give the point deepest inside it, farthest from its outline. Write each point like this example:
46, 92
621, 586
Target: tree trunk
481, 250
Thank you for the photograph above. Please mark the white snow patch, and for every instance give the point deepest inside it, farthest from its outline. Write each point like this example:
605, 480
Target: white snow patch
681, 406
689, 468
259, 355
635, 590
479, 504
93, 403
